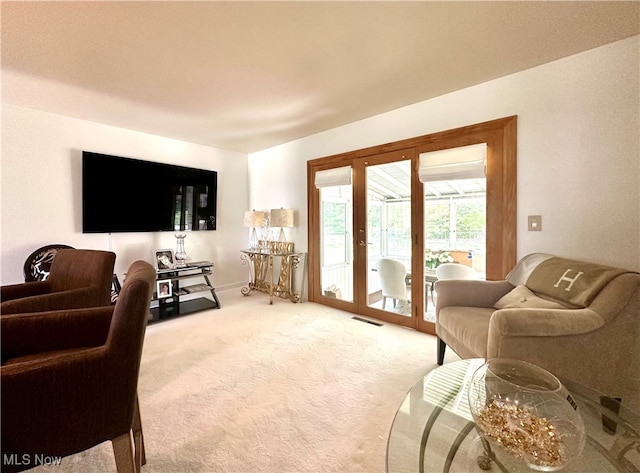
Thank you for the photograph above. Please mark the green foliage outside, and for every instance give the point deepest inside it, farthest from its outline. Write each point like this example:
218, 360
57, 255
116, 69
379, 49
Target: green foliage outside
334, 218
470, 219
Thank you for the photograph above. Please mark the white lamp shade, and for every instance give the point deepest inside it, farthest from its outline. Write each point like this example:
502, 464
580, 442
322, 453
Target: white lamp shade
282, 218
253, 218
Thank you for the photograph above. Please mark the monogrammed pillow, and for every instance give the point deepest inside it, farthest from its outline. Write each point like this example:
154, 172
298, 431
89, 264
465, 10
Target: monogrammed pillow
521, 297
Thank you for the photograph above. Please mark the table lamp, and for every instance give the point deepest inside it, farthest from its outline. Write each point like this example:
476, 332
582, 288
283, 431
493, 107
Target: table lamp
282, 218
253, 219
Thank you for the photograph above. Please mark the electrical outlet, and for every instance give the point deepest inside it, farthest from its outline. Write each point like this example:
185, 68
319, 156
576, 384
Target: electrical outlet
535, 223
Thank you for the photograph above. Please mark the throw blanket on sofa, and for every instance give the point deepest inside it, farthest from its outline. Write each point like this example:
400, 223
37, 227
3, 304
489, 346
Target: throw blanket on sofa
571, 281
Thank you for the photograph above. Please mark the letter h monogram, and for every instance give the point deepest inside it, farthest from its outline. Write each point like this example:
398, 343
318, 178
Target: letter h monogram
567, 279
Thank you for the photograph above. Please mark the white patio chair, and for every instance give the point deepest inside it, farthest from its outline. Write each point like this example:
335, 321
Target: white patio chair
392, 279
455, 271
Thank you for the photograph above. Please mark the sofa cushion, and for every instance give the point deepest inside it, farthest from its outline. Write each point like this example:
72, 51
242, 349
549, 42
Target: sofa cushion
525, 266
467, 329
521, 297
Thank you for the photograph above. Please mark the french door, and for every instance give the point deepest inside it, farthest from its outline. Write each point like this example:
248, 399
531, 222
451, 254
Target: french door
368, 236
384, 237
367, 225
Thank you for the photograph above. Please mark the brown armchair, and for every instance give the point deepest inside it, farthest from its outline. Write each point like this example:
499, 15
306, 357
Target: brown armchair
69, 378
78, 278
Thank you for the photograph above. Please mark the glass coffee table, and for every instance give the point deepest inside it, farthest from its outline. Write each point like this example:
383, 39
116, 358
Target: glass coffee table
433, 431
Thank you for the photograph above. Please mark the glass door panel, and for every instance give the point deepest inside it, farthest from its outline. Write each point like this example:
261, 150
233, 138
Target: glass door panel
454, 230
336, 242
388, 237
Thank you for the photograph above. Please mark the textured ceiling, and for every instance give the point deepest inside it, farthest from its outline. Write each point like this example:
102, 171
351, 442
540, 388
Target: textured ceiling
246, 76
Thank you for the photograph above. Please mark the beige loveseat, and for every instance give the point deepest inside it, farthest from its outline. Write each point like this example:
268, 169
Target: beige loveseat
579, 320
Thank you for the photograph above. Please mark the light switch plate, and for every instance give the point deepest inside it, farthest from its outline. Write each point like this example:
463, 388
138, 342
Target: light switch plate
535, 223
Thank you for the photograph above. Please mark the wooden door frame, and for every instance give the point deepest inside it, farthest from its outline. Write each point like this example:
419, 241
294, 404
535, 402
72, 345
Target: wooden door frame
501, 138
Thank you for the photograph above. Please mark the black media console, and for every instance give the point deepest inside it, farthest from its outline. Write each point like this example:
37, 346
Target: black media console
169, 291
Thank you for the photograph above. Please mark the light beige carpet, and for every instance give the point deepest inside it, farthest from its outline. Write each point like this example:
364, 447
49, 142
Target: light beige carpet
287, 388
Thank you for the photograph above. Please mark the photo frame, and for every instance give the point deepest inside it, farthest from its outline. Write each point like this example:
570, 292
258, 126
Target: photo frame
163, 259
164, 288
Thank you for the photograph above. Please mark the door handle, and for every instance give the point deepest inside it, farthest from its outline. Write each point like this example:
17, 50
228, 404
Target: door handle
363, 243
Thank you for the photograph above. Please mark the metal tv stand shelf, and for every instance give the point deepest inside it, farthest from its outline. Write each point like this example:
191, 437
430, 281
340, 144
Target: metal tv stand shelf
170, 305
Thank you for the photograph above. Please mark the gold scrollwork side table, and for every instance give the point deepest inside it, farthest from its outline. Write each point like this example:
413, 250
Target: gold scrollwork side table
261, 270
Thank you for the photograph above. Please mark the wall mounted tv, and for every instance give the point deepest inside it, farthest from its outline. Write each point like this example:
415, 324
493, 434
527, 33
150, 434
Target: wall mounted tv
130, 195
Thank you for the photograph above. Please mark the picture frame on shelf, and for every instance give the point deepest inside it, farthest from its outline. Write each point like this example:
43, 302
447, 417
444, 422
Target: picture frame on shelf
163, 259
164, 288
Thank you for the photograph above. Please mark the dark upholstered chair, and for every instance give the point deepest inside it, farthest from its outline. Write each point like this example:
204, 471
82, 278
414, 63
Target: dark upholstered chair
69, 378
78, 279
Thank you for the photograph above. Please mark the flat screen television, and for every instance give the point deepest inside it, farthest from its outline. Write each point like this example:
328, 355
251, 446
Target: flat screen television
130, 195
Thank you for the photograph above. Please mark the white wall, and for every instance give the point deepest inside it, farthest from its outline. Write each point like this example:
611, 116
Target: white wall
578, 166
578, 151
42, 187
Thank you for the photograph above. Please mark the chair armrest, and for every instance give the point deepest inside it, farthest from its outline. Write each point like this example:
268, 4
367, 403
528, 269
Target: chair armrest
543, 322
470, 293
28, 334
18, 291
104, 403
71, 299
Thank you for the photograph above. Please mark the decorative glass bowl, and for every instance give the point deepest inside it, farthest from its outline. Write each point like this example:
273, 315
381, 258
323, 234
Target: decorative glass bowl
526, 411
